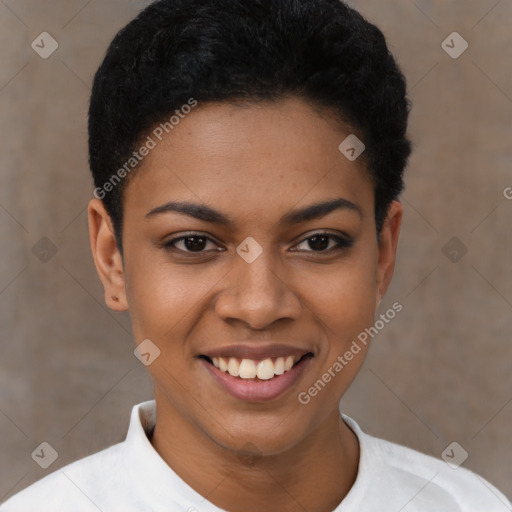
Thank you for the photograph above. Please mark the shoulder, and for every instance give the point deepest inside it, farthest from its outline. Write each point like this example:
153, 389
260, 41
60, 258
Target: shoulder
452, 482
395, 474
102, 481
79, 483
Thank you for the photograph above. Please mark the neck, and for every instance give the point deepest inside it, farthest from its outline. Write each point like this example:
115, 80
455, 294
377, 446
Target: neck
315, 474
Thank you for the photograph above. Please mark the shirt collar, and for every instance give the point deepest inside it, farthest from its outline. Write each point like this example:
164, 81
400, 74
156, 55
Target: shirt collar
160, 486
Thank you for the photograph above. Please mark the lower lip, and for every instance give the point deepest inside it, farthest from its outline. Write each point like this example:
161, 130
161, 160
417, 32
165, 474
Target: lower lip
253, 390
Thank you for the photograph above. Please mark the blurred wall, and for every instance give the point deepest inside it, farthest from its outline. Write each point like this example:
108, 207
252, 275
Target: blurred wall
437, 373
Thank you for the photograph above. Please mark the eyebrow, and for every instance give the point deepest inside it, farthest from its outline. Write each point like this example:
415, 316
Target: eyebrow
207, 214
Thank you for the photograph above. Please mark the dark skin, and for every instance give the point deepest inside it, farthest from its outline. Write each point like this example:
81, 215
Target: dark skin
255, 165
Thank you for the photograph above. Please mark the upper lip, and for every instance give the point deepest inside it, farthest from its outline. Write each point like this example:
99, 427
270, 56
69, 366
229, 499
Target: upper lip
256, 352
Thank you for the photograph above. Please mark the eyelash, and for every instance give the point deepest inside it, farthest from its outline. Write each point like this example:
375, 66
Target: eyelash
342, 243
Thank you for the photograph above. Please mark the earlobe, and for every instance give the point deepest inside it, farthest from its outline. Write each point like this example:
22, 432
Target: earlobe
107, 257
388, 245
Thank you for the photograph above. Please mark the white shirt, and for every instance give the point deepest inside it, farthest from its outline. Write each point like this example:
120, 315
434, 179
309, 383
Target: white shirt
132, 477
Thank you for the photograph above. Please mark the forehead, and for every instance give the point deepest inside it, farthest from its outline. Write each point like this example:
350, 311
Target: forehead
250, 156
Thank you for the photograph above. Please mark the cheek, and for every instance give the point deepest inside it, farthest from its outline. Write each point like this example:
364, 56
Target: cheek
343, 297
343, 307
162, 297
343, 303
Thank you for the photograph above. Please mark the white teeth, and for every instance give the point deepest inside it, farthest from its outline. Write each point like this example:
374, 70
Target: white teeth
249, 368
223, 365
279, 366
233, 367
265, 369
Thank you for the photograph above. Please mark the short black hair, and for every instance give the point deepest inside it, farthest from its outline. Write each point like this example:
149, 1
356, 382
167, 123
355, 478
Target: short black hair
176, 52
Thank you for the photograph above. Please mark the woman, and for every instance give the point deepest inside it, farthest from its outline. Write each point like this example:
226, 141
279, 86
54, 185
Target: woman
248, 159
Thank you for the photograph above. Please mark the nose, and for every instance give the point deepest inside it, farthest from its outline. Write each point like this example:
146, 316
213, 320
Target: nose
257, 295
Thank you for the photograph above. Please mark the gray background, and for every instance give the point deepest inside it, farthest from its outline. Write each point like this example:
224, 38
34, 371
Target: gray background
438, 373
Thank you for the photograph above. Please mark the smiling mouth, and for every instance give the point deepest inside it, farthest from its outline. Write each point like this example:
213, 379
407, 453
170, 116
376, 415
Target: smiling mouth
265, 369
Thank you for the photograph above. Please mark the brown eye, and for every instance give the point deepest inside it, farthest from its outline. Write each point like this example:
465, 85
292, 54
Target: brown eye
194, 243
323, 242
319, 242
191, 243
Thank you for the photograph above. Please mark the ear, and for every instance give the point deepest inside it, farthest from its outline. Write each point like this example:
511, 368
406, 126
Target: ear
107, 257
388, 243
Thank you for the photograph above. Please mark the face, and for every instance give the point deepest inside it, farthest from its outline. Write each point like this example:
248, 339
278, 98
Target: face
248, 235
